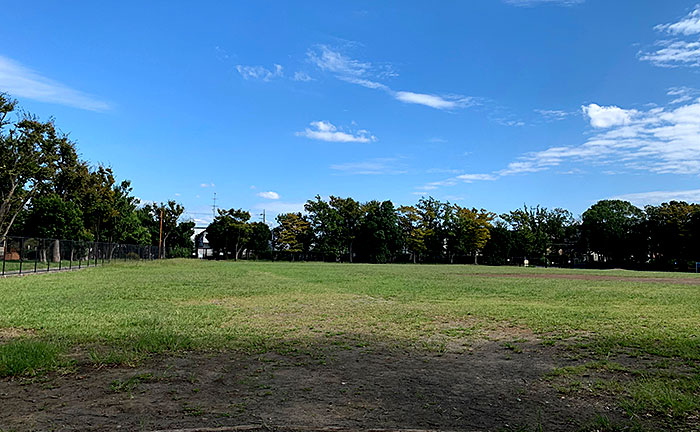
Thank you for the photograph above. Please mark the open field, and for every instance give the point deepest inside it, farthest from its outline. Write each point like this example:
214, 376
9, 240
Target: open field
156, 345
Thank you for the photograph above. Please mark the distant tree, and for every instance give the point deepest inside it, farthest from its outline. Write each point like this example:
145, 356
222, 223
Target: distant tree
537, 230
434, 218
349, 215
471, 229
229, 232
501, 245
413, 232
616, 230
293, 233
672, 234
327, 226
259, 240
379, 234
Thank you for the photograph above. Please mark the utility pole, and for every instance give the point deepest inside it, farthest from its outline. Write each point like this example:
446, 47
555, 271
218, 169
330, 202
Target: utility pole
213, 207
160, 235
263, 215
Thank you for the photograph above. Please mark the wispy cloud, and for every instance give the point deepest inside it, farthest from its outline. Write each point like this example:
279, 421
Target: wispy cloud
532, 3
683, 94
302, 76
269, 195
206, 185
684, 49
377, 166
260, 72
327, 131
553, 115
369, 75
658, 197
23, 82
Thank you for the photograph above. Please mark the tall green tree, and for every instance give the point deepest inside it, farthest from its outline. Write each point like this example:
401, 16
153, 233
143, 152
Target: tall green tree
327, 225
413, 231
673, 234
349, 216
293, 234
29, 155
378, 235
229, 232
471, 229
615, 229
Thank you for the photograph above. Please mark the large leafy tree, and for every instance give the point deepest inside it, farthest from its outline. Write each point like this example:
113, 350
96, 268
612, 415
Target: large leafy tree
615, 229
327, 225
413, 232
672, 233
434, 218
293, 234
259, 239
537, 230
29, 155
349, 215
229, 232
379, 234
471, 229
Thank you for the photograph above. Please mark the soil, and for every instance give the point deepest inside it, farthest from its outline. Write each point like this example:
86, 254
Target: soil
589, 277
490, 386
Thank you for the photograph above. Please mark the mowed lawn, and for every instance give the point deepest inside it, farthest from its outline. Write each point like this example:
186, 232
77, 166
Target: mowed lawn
123, 312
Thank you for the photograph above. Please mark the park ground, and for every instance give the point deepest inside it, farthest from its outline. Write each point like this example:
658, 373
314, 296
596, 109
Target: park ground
184, 344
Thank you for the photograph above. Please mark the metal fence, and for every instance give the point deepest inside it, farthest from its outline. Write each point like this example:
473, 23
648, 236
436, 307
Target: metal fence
22, 255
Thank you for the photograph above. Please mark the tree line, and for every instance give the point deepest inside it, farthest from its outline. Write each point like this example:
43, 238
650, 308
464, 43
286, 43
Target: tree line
48, 191
611, 233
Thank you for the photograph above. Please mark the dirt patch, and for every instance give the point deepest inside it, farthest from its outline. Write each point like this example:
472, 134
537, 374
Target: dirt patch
588, 277
9, 333
492, 387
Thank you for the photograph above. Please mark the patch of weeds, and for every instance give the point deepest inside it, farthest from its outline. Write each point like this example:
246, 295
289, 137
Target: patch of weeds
603, 424
676, 398
158, 341
129, 385
513, 347
114, 357
29, 357
193, 411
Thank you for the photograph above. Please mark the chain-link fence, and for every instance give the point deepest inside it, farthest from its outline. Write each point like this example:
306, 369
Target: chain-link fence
32, 255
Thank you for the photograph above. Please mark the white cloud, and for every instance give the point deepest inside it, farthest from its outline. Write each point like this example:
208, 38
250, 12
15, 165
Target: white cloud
206, 185
269, 195
531, 3
607, 116
677, 52
302, 76
434, 101
259, 72
687, 26
23, 82
376, 166
327, 131
658, 197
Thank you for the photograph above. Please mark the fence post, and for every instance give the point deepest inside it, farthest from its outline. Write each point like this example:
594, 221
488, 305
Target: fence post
60, 256
4, 254
48, 261
80, 259
36, 256
70, 257
95, 254
21, 254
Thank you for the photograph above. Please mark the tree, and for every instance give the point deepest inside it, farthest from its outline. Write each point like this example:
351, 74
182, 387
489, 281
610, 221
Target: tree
349, 214
259, 240
537, 230
471, 229
379, 234
501, 245
672, 234
229, 230
29, 154
413, 231
51, 217
615, 229
326, 224
434, 217
293, 233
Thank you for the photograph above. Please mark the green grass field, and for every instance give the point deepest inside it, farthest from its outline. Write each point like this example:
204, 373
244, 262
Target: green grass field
121, 313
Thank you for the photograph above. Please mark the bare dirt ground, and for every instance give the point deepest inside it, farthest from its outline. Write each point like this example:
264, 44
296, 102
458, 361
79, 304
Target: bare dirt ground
488, 387
590, 277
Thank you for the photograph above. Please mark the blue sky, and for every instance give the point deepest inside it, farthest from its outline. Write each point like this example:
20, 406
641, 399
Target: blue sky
484, 103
